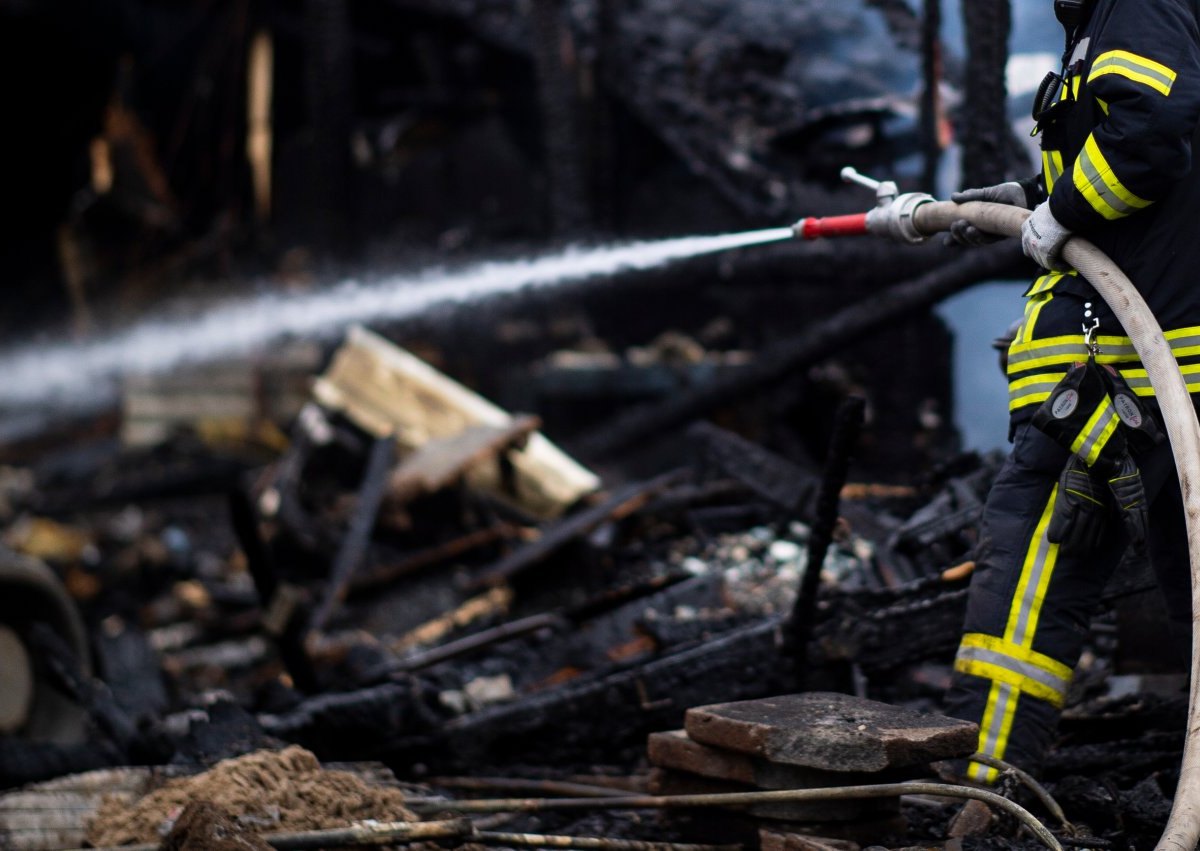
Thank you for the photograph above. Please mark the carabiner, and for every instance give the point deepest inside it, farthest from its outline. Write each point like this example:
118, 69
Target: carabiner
1089, 336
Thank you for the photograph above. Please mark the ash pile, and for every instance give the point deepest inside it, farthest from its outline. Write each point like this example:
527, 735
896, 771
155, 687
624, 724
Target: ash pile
375, 604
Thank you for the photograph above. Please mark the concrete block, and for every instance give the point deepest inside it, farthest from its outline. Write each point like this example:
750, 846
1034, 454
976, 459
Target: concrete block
832, 732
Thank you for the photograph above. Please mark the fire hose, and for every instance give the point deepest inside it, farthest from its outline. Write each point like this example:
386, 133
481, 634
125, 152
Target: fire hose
914, 216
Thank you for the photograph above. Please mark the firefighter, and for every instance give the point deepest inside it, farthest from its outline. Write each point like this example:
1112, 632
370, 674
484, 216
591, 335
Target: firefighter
1087, 476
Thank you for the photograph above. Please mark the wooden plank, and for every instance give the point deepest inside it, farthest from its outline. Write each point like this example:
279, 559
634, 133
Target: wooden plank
385, 390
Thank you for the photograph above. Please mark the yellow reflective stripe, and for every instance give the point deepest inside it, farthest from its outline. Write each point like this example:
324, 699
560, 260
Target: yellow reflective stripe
1032, 388
1021, 654
1040, 558
1023, 360
1044, 284
1036, 388
1075, 81
1096, 433
1093, 453
1052, 168
1035, 398
1103, 104
997, 721
1092, 425
998, 674
1139, 69
1094, 179
1032, 311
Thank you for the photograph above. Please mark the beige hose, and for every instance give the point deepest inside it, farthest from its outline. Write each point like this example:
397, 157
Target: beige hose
1183, 828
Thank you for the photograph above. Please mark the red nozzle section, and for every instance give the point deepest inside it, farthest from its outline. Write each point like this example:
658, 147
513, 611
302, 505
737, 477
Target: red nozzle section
855, 225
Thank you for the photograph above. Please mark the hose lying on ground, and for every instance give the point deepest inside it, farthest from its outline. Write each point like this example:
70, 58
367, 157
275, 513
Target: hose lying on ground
1183, 827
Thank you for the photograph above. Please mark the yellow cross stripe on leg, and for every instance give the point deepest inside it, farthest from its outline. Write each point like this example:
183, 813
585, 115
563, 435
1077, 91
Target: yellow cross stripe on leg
1003, 662
1139, 69
1017, 646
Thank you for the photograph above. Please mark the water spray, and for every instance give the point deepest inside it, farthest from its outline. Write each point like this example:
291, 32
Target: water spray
80, 376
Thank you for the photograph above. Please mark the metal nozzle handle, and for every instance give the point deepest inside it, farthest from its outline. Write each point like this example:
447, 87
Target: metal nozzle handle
851, 175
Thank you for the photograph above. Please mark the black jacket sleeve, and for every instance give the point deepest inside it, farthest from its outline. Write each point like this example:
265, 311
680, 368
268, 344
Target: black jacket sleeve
1144, 71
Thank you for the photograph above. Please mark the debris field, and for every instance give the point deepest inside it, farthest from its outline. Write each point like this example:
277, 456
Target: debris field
396, 599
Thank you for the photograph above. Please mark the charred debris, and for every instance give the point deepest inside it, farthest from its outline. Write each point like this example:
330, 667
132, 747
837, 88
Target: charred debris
424, 593
329, 596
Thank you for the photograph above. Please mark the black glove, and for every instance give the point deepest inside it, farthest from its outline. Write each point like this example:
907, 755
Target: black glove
965, 233
1130, 498
1080, 511
1079, 416
1141, 428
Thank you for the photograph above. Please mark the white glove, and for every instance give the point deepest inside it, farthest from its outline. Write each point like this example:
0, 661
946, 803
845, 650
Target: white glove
1043, 238
965, 233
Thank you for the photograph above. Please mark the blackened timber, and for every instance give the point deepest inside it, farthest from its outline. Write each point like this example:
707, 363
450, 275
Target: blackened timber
471, 643
554, 59
289, 636
985, 118
619, 708
931, 69
329, 96
624, 502
825, 337
846, 430
770, 476
430, 556
358, 536
64, 667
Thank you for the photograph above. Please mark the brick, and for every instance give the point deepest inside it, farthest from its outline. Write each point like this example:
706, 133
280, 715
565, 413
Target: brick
833, 732
676, 751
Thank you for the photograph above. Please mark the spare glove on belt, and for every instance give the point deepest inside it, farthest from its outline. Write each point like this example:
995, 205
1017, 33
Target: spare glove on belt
1081, 509
1130, 496
1079, 415
1141, 429
1083, 414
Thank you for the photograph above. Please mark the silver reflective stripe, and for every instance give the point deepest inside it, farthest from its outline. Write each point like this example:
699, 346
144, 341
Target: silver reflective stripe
1185, 342
1043, 386
1026, 669
1070, 350
1029, 601
1005, 695
1092, 176
1136, 67
1091, 443
1053, 170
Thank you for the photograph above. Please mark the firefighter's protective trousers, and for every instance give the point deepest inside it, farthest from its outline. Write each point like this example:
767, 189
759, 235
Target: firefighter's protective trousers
1031, 602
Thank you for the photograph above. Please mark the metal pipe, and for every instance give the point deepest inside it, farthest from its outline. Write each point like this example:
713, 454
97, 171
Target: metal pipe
509, 784
360, 833
536, 840
1039, 791
734, 799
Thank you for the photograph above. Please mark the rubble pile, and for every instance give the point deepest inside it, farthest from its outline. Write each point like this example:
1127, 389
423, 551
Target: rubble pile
409, 575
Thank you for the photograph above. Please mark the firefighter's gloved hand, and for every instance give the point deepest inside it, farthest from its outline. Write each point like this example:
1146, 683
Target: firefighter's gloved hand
1080, 511
965, 233
1130, 497
1043, 238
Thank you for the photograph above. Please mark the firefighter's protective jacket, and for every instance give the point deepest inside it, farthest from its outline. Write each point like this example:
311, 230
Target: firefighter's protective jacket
1117, 163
